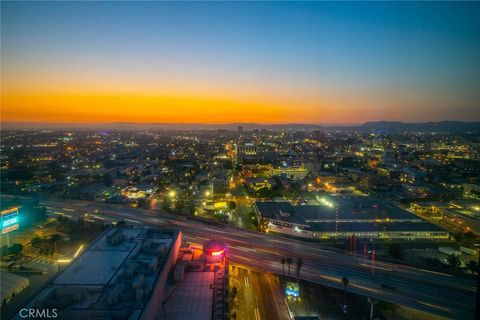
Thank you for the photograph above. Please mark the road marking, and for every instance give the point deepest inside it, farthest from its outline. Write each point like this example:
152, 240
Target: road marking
243, 258
364, 288
330, 278
434, 306
130, 220
435, 272
62, 214
374, 266
257, 314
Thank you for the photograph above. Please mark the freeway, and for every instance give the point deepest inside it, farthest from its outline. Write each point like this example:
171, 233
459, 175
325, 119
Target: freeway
442, 294
255, 297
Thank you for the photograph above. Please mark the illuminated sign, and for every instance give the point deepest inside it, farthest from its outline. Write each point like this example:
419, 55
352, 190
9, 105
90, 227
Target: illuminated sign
220, 205
217, 253
9, 229
9, 220
292, 289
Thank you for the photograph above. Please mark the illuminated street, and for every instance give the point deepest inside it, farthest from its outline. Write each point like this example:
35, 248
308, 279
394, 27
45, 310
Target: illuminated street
435, 292
256, 298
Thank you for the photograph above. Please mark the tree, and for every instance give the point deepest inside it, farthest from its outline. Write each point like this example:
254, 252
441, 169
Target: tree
283, 261
179, 206
107, 180
166, 204
143, 203
453, 261
472, 266
459, 236
232, 205
55, 238
35, 241
345, 282
299, 267
228, 165
190, 207
289, 263
234, 291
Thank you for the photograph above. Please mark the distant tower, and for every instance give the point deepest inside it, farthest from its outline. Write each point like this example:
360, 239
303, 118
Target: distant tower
240, 129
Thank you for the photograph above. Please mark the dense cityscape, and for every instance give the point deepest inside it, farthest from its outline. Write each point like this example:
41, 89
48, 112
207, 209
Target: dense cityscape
278, 160
392, 198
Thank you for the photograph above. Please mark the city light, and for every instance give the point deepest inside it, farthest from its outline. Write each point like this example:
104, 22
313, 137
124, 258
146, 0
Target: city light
74, 256
172, 194
217, 253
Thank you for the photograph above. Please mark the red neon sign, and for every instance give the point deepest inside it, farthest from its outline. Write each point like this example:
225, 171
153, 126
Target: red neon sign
217, 253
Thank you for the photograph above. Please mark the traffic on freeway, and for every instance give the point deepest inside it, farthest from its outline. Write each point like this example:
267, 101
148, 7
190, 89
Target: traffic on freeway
438, 293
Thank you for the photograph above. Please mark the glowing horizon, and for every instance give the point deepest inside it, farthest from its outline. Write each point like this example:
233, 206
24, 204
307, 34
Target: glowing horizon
220, 63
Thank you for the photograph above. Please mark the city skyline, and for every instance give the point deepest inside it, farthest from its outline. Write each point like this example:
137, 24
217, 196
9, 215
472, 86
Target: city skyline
239, 160
217, 63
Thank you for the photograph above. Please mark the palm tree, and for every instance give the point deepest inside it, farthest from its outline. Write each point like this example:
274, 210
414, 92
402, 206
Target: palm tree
473, 267
55, 238
453, 261
299, 267
372, 302
289, 262
345, 282
283, 261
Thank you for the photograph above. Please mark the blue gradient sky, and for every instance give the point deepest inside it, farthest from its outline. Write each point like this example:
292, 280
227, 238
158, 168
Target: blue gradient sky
226, 62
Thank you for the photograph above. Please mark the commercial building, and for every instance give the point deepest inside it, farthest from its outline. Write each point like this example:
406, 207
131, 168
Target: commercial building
11, 285
247, 153
293, 173
122, 275
342, 217
138, 273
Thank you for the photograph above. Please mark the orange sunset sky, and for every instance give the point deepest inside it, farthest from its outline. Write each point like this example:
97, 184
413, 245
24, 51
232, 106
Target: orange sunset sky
238, 62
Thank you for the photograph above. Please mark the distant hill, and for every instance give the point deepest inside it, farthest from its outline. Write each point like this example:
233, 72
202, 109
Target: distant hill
442, 126
377, 126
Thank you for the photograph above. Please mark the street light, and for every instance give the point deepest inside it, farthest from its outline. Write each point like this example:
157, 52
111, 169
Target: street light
372, 302
172, 194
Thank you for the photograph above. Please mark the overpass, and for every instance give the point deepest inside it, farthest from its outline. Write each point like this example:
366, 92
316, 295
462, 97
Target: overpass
438, 293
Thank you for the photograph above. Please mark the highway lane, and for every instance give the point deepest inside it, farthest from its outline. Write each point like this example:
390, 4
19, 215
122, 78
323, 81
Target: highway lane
255, 298
441, 294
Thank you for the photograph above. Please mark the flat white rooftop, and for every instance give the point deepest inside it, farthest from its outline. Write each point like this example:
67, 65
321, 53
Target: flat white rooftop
93, 268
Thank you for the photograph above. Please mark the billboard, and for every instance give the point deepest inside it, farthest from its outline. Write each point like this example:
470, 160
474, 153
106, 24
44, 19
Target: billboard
9, 220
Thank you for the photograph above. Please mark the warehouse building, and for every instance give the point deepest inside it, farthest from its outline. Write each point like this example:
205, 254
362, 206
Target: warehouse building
343, 217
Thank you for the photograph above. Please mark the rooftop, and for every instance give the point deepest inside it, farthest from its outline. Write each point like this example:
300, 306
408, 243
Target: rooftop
281, 211
346, 214
193, 298
376, 227
113, 278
